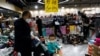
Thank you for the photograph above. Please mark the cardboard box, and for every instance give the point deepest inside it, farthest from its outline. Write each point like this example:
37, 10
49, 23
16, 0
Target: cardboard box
96, 50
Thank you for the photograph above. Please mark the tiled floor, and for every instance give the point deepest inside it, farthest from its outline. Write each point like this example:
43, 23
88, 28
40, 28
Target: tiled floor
78, 50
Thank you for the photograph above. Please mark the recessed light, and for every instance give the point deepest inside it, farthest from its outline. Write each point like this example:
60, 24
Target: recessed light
36, 7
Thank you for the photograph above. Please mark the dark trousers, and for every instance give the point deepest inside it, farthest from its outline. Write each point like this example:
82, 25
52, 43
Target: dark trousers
85, 32
38, 50
25, 53
51, 54
40, 31
57, 29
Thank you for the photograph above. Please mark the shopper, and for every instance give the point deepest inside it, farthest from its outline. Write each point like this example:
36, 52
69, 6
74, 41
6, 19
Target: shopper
85, 25
22, 34
39, 25
86, 28
56, 25
52, 45
1, 29
97, 26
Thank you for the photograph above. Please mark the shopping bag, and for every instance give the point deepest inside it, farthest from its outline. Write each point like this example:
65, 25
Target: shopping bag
6, 51
63, 30
57, 23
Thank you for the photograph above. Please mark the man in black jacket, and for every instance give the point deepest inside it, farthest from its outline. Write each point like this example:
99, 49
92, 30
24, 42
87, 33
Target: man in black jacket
39, 24
22, 34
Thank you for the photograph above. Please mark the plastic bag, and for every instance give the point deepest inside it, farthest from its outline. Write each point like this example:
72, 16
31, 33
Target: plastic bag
6, 51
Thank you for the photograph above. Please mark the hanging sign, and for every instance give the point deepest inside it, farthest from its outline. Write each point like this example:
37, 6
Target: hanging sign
51, 5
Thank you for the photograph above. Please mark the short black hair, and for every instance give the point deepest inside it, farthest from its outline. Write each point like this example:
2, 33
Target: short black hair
25, 13
52, 35
37, 16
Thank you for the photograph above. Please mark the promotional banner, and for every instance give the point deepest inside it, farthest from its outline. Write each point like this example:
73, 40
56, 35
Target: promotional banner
51, 5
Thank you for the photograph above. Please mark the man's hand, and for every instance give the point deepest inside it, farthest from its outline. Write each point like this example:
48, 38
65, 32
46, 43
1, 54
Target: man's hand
42, 39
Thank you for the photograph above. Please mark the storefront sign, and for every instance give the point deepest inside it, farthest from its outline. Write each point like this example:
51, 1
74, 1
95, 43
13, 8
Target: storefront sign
51, 5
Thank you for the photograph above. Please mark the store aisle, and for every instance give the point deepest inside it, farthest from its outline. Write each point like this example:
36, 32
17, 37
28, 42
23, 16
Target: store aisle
70, 50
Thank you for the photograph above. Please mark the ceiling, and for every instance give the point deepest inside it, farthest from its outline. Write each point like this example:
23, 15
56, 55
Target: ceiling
29, 4
7, 12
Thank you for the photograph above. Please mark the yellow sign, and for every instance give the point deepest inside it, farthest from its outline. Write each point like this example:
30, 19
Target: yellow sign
51, 5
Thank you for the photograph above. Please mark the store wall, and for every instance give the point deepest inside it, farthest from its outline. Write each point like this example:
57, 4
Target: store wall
63, 11
4, 4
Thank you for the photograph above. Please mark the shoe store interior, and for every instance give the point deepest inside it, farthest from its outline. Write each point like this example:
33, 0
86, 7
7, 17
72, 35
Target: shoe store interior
49, 27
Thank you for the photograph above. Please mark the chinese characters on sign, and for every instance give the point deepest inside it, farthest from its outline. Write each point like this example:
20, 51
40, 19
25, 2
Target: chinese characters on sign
51, 5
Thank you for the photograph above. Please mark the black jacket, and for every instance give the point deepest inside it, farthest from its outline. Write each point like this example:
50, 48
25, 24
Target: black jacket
22, 35
39, 23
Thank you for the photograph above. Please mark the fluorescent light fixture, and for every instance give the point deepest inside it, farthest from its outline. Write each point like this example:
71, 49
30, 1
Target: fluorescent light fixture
63, 1
23, 2
39, 1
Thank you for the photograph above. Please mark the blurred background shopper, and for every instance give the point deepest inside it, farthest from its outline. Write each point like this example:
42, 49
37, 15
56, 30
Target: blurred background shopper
39, 25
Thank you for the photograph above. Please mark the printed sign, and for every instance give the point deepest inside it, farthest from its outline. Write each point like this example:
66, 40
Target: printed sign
51, 5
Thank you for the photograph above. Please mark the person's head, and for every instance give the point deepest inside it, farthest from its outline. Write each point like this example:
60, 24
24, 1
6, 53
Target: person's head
26, 15
37, 17
52, 37
54, 17
33, 18
41, 16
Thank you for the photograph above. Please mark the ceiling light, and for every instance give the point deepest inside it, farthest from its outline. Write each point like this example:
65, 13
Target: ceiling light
39, 1
31, 0
0, 16
62, 7
36, 7
63, 2
75, 5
